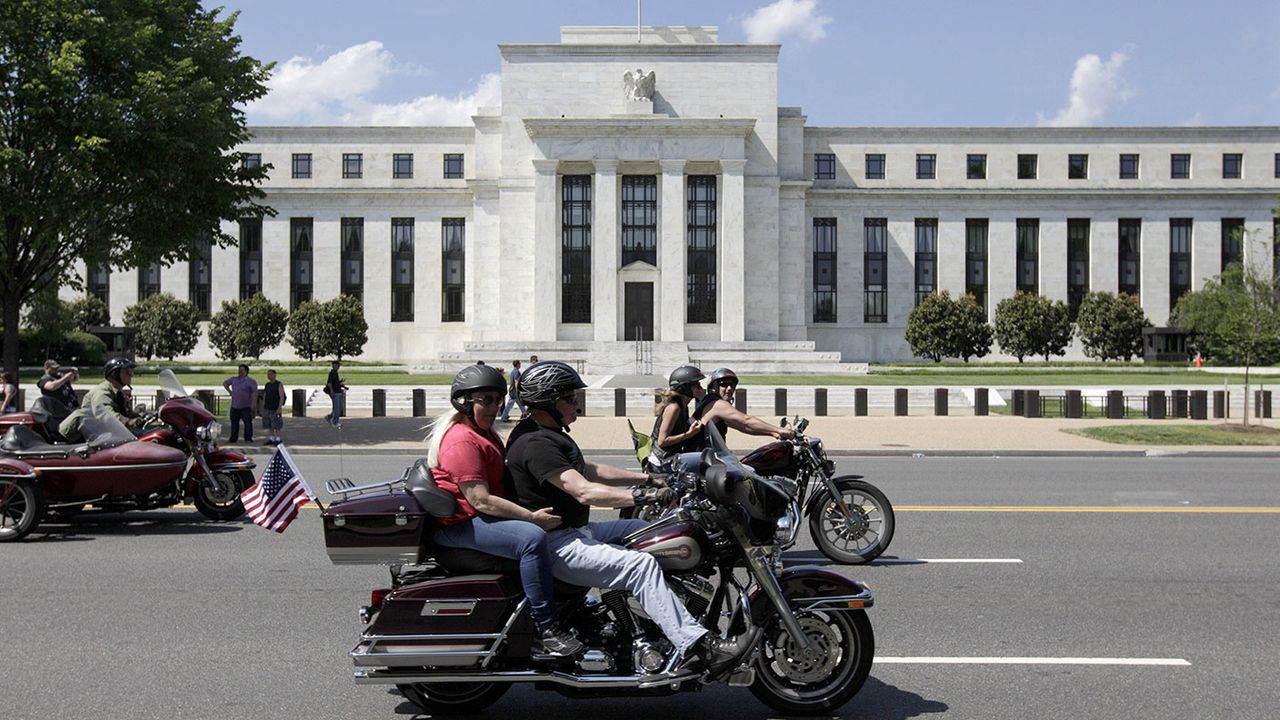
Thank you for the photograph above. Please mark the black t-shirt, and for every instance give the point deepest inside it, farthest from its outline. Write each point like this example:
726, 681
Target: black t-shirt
65, 394
535, 453
271, 396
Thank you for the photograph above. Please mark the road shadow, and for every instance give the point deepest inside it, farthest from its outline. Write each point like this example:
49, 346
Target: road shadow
89, 525
805, 557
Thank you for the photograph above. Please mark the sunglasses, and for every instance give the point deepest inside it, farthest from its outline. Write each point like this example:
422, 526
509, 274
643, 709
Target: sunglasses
569, 397
487, 400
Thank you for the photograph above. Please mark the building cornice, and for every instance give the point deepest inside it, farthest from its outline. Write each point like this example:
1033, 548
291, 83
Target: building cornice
348, 133
720, 51
644, 126
1090, 135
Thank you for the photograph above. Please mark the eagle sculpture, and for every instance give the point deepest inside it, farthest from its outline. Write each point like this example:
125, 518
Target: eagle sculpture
638, 85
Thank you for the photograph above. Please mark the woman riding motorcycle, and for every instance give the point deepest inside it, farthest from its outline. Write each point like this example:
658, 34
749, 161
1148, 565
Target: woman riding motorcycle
467, 459
673, 431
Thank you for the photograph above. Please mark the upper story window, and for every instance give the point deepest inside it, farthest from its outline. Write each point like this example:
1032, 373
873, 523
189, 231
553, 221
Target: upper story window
1231, 165
251, 160
1077, 167
1027, 166
875, 166
402, 166
352, 166
926, 166
453, 166
301, 166
976, 167
1128, 166
824, 166
1180, 166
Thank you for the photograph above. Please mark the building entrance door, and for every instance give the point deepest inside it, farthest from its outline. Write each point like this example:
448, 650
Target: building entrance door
637, 310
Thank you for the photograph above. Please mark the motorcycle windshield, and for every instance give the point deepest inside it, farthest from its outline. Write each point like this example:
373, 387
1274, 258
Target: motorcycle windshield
102, 429
171, 384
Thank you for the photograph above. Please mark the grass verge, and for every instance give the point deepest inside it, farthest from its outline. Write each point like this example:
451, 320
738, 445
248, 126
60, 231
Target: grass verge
1181, 434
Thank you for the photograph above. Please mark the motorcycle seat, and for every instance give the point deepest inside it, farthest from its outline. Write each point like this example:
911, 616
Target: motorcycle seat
22, 441
465, 561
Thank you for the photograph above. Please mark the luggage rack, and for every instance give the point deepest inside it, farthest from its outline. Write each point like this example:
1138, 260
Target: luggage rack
346, 489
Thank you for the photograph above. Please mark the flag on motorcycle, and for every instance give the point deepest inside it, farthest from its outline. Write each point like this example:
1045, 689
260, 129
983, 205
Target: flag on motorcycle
274, 500
642, 443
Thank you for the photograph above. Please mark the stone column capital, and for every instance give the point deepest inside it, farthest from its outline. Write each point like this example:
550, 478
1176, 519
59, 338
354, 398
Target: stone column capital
672, 167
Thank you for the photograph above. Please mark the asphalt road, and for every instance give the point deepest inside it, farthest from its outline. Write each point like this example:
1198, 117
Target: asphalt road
164, 615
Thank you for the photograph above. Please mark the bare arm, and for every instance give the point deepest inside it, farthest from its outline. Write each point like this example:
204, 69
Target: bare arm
593, 493
57, 384
477, 493
665, 438
743, 422
610, 475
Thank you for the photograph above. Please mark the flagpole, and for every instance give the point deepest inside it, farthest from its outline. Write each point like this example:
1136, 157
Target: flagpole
307, 485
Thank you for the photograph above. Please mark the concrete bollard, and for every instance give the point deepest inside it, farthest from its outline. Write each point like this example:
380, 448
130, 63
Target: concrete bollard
1031, 404
580, 399
740, 399
206, 398
981, 402
820, 402
1115, 404
1019, 402
1075, 404
939, 401
299, 403
379, 402
860, 402
419, 402
1220, 408
780, 401
619, 402
1199, 404
900, 401
1180, 403
1262, 403
1156, 405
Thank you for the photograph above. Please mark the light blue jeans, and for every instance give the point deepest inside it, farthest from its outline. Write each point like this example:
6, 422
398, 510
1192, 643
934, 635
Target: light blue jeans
514, 540
339, 400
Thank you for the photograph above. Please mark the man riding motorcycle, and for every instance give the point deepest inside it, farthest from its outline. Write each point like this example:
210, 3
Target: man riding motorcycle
717, 408
548, 470
108, 394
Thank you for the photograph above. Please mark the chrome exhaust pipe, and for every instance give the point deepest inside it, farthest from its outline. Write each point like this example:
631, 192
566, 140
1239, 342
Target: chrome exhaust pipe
387, 676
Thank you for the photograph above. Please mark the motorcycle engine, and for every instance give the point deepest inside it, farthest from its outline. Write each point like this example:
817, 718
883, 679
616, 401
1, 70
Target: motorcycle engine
648, 657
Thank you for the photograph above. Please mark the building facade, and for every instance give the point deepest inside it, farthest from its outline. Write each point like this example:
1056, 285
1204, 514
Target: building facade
630, 191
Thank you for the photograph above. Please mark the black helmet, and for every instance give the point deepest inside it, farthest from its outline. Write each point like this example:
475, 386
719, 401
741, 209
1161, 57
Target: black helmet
685, 375
472, 379
541, 383
116, 364
721, 376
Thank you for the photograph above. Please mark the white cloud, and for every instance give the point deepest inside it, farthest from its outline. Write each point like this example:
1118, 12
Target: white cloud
334, 92
1096, 86
776, 20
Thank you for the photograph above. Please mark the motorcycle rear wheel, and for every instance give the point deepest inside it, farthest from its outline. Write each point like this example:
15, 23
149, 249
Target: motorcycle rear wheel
453, 698
793, 684
224, 502
857, 541
22, 511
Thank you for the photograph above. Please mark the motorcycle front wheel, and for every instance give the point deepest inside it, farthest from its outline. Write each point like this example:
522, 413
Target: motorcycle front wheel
852, 540
453, 698
817, 681
21, 508
223, 502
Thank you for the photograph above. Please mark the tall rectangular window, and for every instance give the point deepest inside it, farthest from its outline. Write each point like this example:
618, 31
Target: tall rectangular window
453, 166
454, 256
98, 281
1180, 166
639, 219
1232, 241
1077, 166
1028, 166
248, 161
976, 167
700, 264
1077, 264
875, 166
1232, 163
148, 281
1128, 166
1179, 259
200, 275
352, 166
824, 270
926, 166
575, 249
301, 166
875, 270
824, 166
402, 166
352, 259
250, 257
402, 269
301, 265
1028, 255
926, 258
975, 260
1278, 165
1130, 255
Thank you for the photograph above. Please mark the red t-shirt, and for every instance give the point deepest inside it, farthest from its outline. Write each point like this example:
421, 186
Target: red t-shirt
466, 455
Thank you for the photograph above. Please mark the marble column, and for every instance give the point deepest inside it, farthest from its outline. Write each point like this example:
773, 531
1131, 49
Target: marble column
672, 253
546, 251
604, 252
731, 271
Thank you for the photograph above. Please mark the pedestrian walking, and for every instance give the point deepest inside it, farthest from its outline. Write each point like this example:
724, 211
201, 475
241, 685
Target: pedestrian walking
244, 393
337, 392
272, 405
512, 398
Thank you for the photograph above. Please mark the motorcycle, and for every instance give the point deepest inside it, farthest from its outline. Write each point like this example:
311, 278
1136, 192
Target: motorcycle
453, 632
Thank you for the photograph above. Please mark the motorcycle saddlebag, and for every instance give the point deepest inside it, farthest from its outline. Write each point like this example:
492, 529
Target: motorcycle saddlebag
386, 529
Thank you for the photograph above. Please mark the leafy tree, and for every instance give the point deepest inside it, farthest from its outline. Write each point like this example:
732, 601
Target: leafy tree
260, 325
971, 336
343, 331
1235, 318
929, 327
89, 311
1110, 326
116, 119
222, 330
1032, 325
50, 318
304, 329
164, 326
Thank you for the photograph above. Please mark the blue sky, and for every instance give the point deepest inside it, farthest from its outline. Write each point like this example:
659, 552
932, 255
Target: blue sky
845, 62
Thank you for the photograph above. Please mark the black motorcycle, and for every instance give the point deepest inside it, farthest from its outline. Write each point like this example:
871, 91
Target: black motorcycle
453, 632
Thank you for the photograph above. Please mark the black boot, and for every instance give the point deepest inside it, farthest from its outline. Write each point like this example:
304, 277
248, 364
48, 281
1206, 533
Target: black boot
718, 654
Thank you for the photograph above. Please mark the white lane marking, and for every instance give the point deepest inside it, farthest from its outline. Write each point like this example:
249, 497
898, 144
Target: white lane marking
904, 561
890, 660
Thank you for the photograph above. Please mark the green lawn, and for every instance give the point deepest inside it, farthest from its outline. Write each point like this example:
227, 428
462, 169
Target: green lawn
1181, 434
1010, 377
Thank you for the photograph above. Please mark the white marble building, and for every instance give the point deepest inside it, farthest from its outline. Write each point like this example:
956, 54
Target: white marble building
600, 204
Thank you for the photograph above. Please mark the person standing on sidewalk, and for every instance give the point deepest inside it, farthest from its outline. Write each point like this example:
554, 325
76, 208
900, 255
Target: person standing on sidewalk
337, 392
512, 397
244, 393
272, 404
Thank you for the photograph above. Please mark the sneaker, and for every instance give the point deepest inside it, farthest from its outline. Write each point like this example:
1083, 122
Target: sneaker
561, 643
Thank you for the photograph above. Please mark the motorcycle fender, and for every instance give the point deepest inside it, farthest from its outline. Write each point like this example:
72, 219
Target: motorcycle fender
16, 468
820, 491
812, 588
220, 459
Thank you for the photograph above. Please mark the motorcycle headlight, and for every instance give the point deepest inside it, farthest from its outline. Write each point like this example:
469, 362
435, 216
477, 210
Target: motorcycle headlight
209, 432
788, 527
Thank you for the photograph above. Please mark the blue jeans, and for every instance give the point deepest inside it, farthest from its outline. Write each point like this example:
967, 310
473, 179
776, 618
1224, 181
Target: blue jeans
339, 408
514, 540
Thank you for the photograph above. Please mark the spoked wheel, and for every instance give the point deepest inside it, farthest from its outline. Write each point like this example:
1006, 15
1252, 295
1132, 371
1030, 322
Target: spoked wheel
859, 538
816, 681
453, 698
21, 507
223, 501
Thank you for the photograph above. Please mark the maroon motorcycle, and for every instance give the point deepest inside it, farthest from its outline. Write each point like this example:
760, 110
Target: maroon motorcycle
453, 631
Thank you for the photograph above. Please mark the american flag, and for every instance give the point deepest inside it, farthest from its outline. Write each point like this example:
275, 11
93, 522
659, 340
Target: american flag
274, 501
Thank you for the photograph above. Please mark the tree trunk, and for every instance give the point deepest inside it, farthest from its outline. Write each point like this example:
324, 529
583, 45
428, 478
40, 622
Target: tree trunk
11, 308
1246, 395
